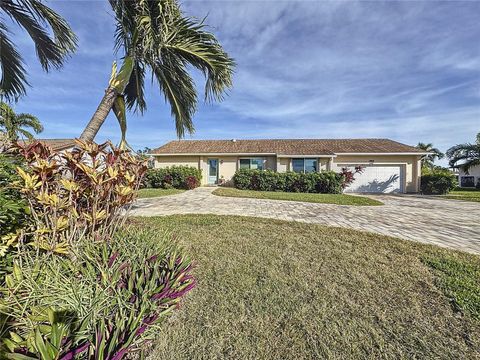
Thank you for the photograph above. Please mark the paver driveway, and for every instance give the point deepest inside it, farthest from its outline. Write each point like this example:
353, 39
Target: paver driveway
448, 223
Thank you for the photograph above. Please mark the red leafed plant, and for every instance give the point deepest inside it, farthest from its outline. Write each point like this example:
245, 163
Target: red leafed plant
349, 175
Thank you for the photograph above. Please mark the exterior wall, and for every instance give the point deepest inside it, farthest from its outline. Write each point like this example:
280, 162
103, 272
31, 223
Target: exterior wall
283, 164
166, 161
473, 171
228, 165
411, 163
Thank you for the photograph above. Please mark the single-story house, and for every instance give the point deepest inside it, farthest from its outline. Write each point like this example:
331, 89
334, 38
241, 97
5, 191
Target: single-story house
470, 179
389, 166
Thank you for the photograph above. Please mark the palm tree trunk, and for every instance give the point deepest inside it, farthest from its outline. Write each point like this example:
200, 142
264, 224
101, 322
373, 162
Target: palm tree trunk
100, 115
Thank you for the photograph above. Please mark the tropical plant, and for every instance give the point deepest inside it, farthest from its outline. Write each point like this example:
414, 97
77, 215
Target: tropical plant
465, 156
13, 124
437, 181
178, 177
53, 39
326, 182
78, 193
154, 36
102, 305
435, 154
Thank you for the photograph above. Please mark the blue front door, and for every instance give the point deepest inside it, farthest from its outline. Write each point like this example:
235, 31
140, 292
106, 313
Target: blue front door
212, 171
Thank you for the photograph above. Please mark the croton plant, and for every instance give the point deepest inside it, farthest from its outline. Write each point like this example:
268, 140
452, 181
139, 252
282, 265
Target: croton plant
78, 192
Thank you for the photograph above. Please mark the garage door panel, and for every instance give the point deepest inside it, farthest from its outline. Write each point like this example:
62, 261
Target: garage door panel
377, 179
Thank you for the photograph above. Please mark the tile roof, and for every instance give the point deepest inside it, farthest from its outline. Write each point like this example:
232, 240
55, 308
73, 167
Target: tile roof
57, 144
285, 146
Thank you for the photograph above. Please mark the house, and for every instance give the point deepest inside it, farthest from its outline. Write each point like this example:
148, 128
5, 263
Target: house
389, 166
56, 144
470, 179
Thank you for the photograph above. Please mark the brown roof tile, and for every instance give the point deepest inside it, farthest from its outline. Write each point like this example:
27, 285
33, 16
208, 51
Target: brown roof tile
56, 144
285, 146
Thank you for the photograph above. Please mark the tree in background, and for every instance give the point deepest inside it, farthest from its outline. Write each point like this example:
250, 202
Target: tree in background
155, 37
53, 38
13, 125
428, 160
465, 156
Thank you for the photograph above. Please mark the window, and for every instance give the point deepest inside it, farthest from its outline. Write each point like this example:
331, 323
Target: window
467, 181
304, 165
254, 164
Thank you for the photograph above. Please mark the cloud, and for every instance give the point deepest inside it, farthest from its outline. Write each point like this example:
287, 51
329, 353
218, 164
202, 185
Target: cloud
403, 70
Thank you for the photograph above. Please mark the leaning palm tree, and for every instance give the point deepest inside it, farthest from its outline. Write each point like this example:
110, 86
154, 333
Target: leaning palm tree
13, 125
428, 160
38, 21
465, 156
155, 37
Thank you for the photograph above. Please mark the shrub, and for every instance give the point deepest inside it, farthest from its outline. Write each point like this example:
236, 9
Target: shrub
268, 180
437, 181
178, 177
78, 193
14, 210
102, 305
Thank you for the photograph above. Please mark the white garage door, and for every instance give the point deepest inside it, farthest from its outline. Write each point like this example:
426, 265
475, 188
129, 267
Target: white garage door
377, 179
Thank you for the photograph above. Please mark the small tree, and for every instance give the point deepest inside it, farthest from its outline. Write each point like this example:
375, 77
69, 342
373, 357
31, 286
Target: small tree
13, 125
465, 156
435, 154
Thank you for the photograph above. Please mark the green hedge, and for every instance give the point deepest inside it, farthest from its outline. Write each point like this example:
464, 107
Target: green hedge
178, 177
437, 181
326, 182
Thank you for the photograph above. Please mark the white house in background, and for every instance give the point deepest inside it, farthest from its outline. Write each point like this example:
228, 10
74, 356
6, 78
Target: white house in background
471, 179
389, 166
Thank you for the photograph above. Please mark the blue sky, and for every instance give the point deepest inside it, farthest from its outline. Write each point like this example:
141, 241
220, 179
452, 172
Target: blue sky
408, 71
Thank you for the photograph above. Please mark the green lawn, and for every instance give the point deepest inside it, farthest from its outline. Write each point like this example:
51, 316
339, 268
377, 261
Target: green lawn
339, 199
464, 194
150, 193
285, 290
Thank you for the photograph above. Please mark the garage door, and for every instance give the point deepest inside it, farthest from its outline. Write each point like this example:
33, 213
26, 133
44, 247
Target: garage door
377, 179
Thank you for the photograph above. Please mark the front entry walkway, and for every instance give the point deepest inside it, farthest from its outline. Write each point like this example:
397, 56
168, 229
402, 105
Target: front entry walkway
448, 223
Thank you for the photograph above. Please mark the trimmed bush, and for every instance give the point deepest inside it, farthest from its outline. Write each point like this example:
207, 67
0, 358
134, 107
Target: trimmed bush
437, 181
178, 177
326, 182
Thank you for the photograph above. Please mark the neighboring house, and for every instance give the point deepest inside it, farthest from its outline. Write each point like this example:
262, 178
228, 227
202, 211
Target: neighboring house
56, 144
389, 166
470, 179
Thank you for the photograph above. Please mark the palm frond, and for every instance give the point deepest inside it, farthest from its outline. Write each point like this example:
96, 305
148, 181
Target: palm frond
26, 134
179, 90
49, 53
63, 34
134, 91
13, 82
202, 50
28, 120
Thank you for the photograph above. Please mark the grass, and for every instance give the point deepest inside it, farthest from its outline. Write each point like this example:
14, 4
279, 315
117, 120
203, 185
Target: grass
460, 281
150, 193
338, 199
464, 194
285, 290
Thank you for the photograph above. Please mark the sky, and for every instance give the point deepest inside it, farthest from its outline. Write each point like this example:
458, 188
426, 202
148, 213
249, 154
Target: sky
406, 70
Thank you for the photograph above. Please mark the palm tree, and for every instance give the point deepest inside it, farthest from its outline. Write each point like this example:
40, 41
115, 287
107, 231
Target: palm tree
155, 37
38, 21
428, 160
467, 154
14, 125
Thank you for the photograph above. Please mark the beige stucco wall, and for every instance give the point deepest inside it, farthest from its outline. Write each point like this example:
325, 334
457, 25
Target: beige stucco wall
165, 161
411, 163
228, 165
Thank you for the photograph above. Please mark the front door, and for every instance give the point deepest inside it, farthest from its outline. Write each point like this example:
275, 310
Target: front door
212, 171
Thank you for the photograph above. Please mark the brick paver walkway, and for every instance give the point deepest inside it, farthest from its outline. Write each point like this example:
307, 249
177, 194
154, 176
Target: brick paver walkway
448, 223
